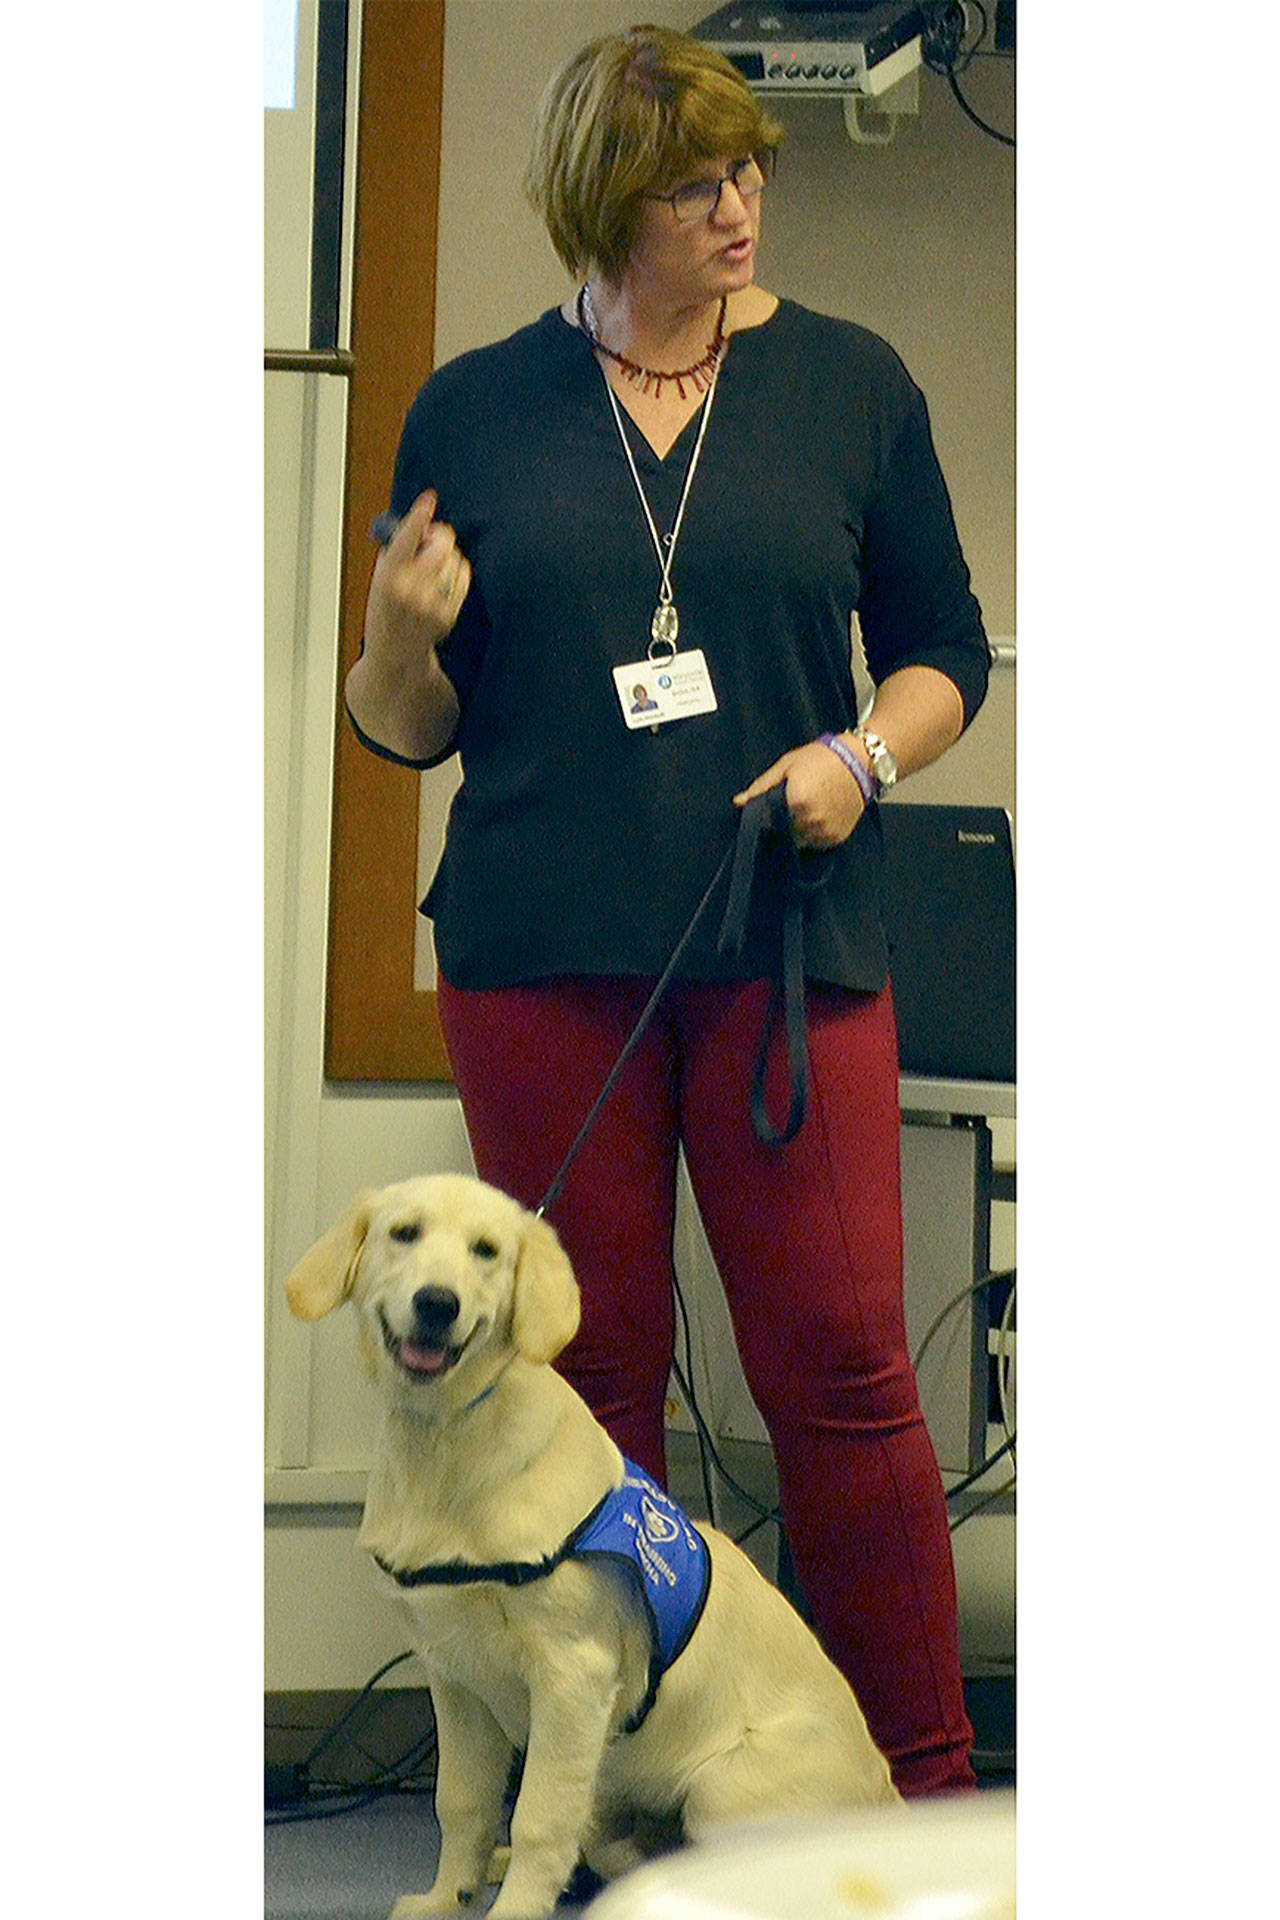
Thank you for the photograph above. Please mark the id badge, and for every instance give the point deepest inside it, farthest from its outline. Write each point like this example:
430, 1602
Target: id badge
652, 694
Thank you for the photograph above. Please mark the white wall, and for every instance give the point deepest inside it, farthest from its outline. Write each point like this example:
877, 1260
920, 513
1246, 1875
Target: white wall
916, 240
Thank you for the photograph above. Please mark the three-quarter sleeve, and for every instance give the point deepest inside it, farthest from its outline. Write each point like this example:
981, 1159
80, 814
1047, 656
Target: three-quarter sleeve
917, 607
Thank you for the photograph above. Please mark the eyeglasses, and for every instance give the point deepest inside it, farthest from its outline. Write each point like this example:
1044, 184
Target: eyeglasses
700, 198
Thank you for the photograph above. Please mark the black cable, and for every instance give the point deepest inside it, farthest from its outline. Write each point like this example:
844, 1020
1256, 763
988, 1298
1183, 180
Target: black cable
289, 1816
325, 1799
987, 1500
387, 1775
332, 1732
962, 1486
748, 1499
957, 1300
942, 40
968, 53
942, 45
1005, 139
686, 1389
740, 1539
943, 51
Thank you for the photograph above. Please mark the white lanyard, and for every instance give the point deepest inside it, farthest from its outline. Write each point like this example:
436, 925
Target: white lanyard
665, 624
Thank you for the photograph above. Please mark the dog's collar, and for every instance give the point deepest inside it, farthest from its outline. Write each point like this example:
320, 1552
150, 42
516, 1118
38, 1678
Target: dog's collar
486, 1391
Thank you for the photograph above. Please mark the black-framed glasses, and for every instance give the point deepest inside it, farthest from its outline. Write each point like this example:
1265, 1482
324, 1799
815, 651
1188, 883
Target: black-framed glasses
699, 199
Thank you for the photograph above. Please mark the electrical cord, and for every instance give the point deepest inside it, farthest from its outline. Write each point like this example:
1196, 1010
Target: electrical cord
969, 1292
686, 1388
709, 1456
942, 46
970, 1479
345, 1718
1003, 1360
962, 1486
1005, 1364
943, 50
704, 1433
707, 1450
324, 1799
987, 1500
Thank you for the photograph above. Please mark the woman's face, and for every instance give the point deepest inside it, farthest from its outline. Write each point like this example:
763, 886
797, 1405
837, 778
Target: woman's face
691, 262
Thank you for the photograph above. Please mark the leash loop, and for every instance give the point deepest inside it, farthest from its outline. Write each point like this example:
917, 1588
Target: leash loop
767, 833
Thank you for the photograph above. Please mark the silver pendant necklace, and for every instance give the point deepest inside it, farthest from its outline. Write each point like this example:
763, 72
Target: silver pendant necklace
664, 628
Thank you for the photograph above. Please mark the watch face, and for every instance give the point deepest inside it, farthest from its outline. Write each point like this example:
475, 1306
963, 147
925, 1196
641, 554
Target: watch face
883, 764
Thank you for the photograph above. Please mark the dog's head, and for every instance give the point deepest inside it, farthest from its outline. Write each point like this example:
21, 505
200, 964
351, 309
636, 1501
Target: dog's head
446, 1273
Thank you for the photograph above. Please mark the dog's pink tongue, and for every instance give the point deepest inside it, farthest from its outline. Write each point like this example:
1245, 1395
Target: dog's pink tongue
422, 1359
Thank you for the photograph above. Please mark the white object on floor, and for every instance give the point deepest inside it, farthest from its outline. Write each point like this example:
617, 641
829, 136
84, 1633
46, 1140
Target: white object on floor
946, 1859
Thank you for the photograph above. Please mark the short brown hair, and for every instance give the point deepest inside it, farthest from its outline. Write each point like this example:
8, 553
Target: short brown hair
626, 117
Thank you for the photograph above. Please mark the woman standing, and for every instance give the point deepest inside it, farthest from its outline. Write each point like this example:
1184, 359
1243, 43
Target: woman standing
680, 481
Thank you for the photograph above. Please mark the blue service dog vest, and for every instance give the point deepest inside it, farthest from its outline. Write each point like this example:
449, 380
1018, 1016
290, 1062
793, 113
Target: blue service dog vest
640, 1530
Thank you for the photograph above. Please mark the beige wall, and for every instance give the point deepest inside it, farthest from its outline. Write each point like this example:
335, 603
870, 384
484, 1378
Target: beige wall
914, 239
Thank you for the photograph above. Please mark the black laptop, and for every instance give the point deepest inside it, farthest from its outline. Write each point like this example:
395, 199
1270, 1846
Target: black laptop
950, 917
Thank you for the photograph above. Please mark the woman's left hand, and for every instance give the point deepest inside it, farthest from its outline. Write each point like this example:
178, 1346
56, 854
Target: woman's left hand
824, 798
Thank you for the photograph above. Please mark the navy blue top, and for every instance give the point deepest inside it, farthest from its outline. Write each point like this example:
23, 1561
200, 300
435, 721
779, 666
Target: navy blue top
574, 844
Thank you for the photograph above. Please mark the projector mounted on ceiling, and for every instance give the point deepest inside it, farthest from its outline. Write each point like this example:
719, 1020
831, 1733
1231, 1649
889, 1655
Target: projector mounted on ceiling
807, 48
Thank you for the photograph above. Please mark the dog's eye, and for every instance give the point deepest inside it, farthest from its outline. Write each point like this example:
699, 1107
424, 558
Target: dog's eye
407, 1232
484, 1249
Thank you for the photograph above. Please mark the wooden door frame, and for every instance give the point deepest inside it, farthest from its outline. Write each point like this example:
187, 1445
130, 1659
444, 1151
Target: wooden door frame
379, 1026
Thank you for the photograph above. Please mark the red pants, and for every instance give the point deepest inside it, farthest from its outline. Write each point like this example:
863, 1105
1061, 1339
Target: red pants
807, 1239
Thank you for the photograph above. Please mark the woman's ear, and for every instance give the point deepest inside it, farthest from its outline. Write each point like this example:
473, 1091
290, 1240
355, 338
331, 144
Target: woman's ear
547, 1306
322, 1278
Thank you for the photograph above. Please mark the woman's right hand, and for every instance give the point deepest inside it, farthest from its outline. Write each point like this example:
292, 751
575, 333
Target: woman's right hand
419, 584
397, 692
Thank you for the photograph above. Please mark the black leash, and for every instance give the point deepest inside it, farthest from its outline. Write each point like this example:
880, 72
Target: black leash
767, 833
765, 823
552, 1194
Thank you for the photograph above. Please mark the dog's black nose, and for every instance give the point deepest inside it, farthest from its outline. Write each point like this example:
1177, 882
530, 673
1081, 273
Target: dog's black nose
435, 1309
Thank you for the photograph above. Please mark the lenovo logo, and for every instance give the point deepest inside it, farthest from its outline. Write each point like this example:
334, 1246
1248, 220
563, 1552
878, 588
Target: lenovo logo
975, 839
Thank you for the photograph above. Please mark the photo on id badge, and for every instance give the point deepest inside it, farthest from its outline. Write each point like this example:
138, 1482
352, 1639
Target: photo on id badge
651, 695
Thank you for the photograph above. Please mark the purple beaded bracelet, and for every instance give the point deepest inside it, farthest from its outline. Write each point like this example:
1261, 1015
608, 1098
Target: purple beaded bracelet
855, 766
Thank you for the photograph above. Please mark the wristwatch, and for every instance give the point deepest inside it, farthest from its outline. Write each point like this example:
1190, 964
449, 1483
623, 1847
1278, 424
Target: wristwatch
884, 768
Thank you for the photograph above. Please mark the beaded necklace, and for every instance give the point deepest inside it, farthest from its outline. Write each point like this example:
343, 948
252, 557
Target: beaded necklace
648, 379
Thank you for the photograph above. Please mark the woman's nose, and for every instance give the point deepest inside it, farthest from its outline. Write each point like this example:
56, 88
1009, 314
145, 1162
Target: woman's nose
731, 206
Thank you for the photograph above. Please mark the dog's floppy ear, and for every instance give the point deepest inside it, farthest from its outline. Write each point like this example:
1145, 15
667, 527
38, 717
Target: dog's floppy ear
322, 1278
547, 1308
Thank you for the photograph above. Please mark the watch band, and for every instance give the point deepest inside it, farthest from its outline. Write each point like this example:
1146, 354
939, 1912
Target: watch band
849, 757
884, 767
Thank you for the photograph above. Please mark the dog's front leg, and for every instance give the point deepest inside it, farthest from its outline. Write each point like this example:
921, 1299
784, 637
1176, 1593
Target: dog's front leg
569, 1717
474, 1762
